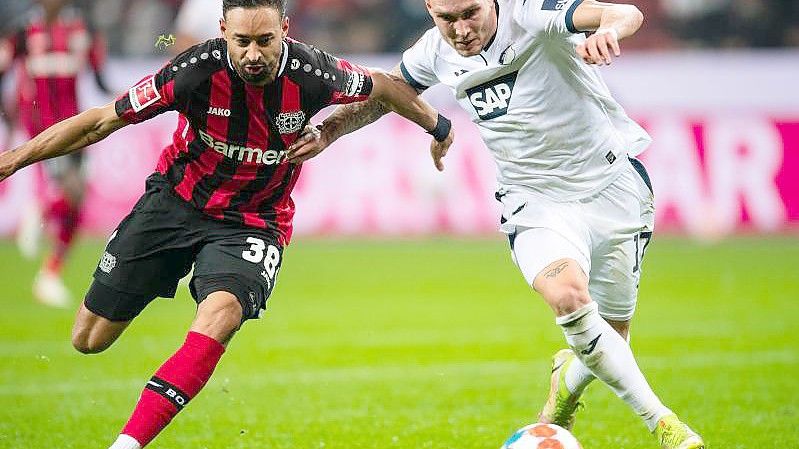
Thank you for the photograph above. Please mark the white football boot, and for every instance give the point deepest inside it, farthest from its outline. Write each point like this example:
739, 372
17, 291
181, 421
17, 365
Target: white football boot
49, 289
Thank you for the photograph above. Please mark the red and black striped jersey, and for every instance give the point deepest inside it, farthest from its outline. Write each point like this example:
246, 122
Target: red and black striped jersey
50, 56
227, 157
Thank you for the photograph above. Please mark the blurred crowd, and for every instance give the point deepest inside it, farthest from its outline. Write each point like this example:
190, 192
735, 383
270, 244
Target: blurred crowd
368, 26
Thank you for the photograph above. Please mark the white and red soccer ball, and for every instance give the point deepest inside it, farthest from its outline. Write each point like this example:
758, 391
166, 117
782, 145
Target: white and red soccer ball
542, 436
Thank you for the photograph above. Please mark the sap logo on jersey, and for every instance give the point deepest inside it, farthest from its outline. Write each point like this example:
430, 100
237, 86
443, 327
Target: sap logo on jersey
491, 99
266, 157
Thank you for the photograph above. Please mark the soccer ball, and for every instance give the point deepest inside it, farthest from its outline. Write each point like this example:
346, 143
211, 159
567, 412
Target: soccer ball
542, 436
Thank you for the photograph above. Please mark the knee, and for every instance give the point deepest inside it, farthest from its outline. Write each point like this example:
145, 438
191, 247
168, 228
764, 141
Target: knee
93, 333
218, 317
568, 298
86, 343
226, 318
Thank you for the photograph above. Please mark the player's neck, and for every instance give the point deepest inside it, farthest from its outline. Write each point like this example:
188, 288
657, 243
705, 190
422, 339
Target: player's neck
493, 26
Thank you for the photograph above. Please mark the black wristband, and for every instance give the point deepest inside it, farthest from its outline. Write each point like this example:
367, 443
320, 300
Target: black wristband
441, 131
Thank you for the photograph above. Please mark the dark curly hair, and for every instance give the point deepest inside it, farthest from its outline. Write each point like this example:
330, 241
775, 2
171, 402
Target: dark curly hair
280, 5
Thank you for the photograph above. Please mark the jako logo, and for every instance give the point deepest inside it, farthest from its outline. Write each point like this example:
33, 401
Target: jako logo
268, 157
491, 99
219, 111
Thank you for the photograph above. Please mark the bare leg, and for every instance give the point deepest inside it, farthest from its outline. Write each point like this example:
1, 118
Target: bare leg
600, 347
184, 374
92, 333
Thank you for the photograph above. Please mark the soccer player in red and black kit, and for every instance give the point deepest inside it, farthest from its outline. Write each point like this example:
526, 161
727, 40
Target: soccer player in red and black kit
54, 46
220, 196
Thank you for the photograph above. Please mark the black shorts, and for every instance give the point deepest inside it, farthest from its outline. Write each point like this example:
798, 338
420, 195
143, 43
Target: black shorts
156, 245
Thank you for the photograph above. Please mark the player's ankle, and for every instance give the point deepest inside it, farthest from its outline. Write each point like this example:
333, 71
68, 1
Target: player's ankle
577, 377
53, 266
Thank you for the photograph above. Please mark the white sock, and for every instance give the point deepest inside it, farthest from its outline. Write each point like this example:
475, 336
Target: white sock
578, 377
125, 442
603, 351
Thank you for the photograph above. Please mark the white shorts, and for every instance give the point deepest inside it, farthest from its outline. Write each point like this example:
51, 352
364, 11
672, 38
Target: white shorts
606, 234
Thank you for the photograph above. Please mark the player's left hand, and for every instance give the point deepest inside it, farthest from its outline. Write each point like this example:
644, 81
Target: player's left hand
309, 144
597, 47
439, 149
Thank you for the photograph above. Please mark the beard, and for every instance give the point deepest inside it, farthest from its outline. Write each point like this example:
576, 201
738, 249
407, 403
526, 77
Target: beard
257, 73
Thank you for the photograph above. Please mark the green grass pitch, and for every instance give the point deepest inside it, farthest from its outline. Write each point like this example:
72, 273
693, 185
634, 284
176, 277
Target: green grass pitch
417, 344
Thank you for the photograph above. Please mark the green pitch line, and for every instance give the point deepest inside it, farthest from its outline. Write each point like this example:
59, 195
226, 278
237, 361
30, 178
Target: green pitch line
416, 344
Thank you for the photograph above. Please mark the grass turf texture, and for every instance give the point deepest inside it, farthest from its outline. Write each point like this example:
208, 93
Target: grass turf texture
417, 344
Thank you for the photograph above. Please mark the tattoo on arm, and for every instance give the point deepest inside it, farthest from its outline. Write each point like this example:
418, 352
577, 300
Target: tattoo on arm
352, 117
348, 118
557, 270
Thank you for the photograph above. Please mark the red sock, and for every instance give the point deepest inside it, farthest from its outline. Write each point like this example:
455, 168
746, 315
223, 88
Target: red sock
177, 381
64, 217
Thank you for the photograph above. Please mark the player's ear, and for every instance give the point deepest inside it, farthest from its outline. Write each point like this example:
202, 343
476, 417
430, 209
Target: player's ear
222, 26
285, 26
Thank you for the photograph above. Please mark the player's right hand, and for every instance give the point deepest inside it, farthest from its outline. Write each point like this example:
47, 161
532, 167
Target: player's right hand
600, 47
309, 144
439, 149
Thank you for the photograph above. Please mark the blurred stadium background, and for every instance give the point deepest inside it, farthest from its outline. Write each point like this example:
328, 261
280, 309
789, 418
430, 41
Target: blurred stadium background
713, 81
400, 320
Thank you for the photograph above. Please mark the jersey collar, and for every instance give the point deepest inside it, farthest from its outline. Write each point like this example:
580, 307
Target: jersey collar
284, 57
229, 62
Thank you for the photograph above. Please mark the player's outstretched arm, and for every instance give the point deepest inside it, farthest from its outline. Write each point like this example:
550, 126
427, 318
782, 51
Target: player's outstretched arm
344, 120
396, 94
393, 93
611, 22
63, 138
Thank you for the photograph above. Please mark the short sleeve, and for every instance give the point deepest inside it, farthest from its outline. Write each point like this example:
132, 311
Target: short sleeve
170, 88
351, 83
552, 17
417, 62
326, 79
153, 95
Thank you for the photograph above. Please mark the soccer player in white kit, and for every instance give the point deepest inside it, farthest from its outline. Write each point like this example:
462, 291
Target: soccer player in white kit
578, 208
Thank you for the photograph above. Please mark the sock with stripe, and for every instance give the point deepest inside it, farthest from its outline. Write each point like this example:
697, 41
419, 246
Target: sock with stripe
578, 377
603, 351
174, 384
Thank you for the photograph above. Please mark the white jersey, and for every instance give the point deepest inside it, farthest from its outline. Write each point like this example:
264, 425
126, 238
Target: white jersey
547, 117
